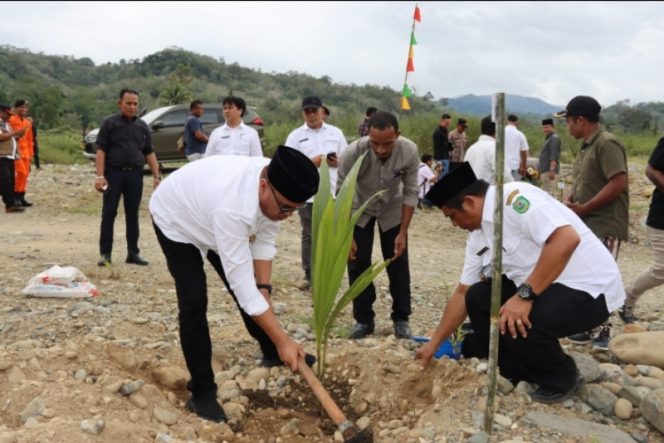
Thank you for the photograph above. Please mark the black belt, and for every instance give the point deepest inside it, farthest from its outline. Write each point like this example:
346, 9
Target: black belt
127, 168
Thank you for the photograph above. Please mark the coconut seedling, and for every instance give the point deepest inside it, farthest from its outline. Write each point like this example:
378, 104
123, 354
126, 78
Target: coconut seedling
332, 235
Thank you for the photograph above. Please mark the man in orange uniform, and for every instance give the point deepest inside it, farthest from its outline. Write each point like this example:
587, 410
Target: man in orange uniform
19, 121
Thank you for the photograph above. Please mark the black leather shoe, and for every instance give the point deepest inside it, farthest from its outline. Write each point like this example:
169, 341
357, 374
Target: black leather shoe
548, 396
361, 330
104, 260
25, 203
401, 329
136, 259
206, 407
14, 208
272, 362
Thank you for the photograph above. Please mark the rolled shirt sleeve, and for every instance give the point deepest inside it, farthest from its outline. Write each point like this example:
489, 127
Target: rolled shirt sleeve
232, 238
409, 179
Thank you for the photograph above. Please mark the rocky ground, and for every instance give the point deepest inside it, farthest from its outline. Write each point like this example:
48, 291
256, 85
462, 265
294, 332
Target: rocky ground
110, 369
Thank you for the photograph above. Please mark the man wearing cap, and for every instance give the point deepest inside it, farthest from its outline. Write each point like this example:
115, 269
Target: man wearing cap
227, 208
516, 148
458, 140
320, 142
390, 166
599, 194
20, 121
234, 137
8, 138
549, 158
558, 279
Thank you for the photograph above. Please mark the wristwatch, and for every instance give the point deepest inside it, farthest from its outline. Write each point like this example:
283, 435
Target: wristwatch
525, 292
265, 286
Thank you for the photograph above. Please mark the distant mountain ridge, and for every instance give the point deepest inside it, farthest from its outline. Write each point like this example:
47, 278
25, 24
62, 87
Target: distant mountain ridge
480, 105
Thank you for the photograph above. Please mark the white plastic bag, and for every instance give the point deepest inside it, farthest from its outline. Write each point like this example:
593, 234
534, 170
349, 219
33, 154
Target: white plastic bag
60, 282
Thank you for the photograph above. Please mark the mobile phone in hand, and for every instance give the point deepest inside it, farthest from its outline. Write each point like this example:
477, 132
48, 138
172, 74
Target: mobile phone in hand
331, 155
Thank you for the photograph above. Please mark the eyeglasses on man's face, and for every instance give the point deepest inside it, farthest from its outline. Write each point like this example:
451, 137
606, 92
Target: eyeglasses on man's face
284, 208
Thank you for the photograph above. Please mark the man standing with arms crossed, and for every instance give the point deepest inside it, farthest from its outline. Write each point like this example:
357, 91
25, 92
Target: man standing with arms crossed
123, 146
599, 193
320, 142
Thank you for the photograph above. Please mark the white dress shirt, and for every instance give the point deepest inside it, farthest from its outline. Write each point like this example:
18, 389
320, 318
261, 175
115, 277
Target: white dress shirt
321, 141
213, 204
515, 142
4, 127
530, 217
482, 158
240, 140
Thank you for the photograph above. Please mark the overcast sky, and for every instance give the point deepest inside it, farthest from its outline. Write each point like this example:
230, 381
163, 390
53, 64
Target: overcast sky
550, 50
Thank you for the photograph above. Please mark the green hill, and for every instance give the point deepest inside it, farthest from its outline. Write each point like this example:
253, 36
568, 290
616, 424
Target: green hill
68, 92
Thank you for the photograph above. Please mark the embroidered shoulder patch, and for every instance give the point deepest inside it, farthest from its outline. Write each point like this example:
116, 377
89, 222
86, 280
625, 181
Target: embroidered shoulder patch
521, 205
511, 196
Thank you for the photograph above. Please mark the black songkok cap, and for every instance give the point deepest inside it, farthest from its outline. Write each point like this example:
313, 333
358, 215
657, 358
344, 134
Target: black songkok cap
451, 184
293, 174
581, 106
547, 121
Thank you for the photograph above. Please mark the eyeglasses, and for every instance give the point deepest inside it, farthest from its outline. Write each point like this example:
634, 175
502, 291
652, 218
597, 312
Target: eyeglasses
285, 208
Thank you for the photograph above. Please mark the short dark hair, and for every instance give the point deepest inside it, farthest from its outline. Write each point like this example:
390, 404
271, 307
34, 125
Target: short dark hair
426, 158
444, 116
477, 189
383, 120
512, 118
371, 110
194, 104
19, 103
326, 110
237, 101
488, 127
124, 91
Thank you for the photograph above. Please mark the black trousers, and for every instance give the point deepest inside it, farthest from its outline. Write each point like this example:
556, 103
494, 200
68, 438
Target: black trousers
306, 215
558, 312
397, 272
185, 264
7, 181
129, 185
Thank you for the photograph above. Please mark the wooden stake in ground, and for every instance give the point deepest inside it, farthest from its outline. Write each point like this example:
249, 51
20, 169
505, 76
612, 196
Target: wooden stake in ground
498, 112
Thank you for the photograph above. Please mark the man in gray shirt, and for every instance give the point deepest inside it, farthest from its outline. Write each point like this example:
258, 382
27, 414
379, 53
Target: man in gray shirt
390, 165
549, 159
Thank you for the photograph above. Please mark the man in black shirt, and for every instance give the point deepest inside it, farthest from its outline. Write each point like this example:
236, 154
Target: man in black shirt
442, 145
653, 276
123, 146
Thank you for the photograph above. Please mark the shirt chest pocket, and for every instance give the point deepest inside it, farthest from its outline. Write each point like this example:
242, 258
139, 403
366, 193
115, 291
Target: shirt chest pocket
308, 147
330, 145
512, 250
